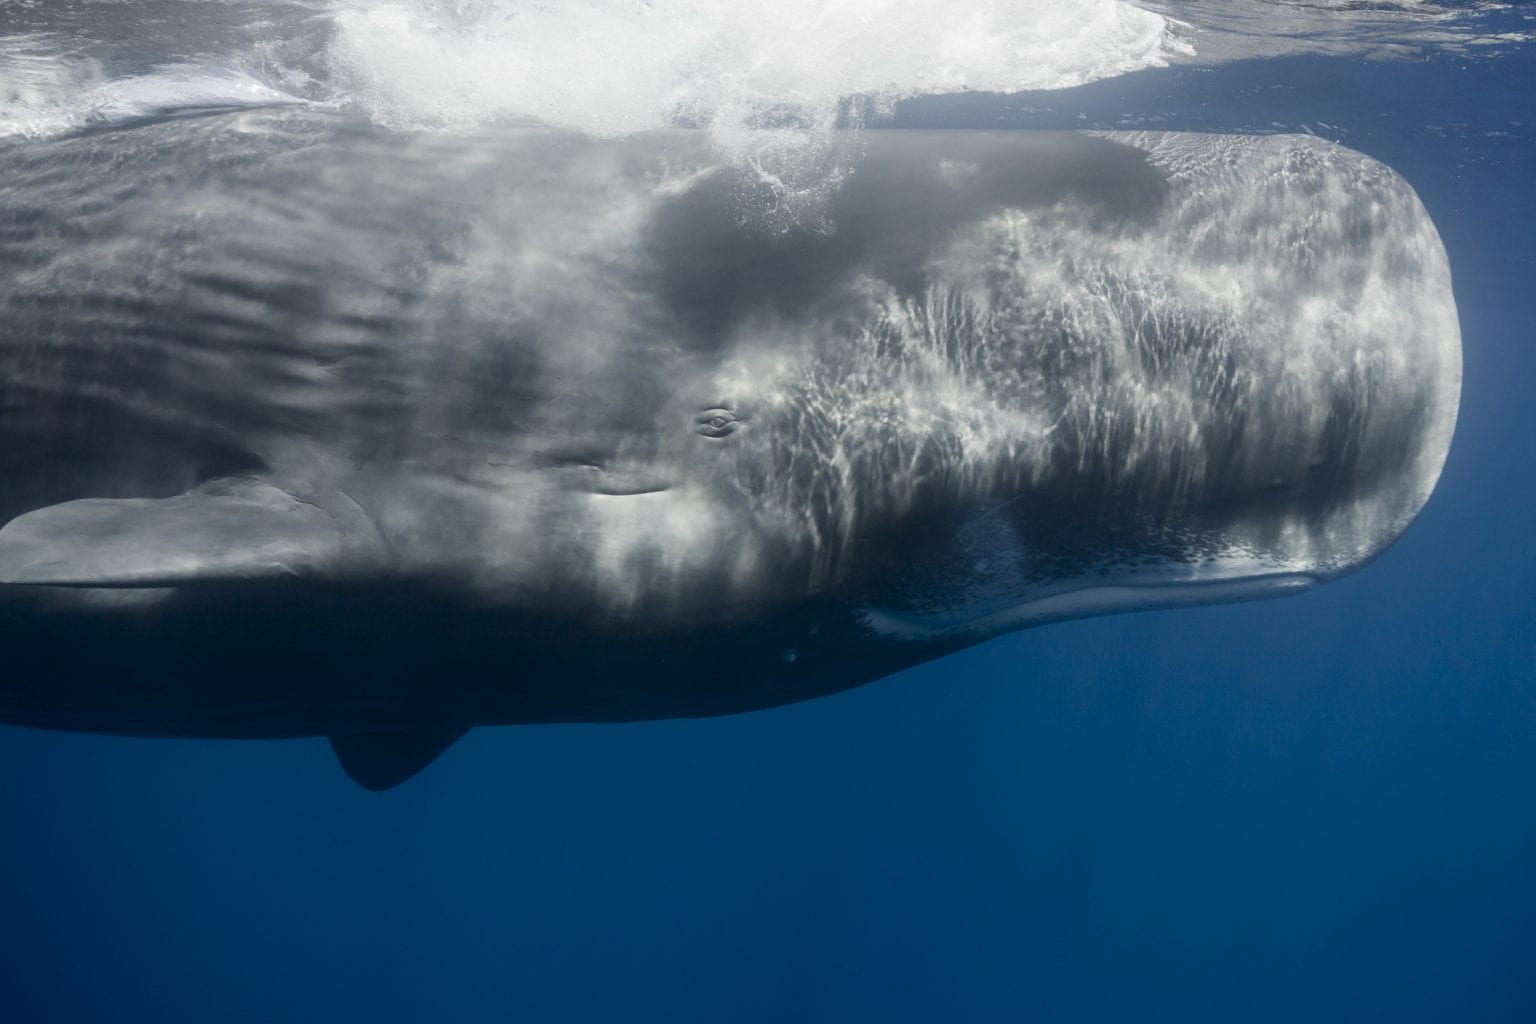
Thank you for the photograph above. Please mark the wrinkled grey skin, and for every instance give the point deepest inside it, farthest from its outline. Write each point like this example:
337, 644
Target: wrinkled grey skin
310, 429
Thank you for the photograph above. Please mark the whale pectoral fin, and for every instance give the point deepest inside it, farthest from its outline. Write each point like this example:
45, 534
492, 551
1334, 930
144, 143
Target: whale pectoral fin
382, 760
253, 531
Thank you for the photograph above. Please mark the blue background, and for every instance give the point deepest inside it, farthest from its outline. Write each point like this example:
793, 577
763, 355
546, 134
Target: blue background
1314, 809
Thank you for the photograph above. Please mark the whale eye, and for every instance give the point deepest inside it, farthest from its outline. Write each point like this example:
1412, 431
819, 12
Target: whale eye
717, 422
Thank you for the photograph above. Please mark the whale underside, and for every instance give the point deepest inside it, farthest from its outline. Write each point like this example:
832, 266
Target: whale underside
312, 429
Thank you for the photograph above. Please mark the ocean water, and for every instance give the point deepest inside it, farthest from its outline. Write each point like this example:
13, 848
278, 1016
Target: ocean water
1311, 809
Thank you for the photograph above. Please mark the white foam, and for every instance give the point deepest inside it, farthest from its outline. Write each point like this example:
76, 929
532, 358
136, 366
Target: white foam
178, 87
612, 67
35, 79
616, 67
44, 91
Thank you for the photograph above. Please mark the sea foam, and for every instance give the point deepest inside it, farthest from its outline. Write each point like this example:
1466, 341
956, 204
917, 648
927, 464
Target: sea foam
770, 82
614, 67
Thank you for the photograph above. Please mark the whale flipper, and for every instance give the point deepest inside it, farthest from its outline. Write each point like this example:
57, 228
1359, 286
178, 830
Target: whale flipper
235, 531
383, 760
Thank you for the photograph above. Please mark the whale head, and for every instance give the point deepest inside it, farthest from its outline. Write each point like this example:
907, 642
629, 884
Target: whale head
1017, 380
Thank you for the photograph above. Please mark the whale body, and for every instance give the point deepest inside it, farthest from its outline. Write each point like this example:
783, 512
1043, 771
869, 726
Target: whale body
311, 429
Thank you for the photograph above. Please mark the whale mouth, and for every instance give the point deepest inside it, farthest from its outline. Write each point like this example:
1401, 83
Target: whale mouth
1085, 602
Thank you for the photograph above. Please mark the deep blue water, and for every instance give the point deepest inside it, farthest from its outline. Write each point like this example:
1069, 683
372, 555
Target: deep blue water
1315, 809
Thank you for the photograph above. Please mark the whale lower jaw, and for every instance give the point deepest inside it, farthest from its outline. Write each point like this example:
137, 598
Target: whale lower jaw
1086, 602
